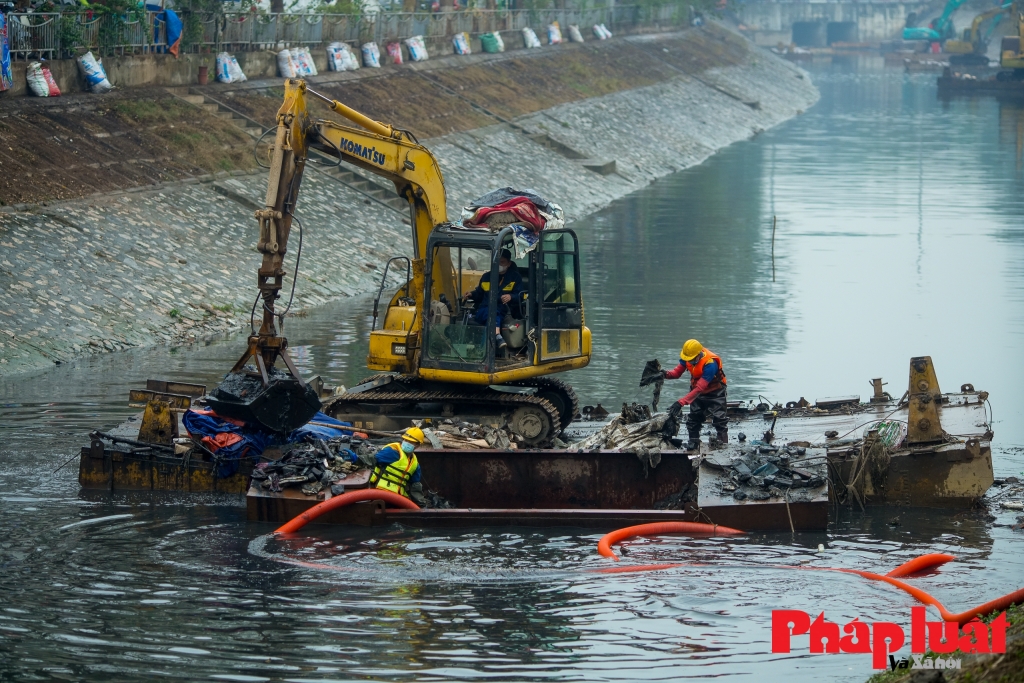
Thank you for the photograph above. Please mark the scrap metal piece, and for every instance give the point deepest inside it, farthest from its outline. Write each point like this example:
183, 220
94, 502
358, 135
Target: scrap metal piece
159, 424
653, 375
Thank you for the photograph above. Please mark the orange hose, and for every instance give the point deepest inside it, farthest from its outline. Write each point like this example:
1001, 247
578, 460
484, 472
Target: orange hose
341, 501
604, 545
920, 564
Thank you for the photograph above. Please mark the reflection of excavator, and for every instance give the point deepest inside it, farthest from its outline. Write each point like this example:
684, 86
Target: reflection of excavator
971, 49
435, 360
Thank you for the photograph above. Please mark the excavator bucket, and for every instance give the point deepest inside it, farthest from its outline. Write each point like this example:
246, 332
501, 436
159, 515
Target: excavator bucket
282, 406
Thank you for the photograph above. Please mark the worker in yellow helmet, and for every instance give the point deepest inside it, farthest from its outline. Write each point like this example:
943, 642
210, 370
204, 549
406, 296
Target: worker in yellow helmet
707, 391
397, 469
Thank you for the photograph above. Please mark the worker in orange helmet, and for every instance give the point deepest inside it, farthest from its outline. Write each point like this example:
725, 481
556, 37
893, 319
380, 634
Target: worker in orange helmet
707, 392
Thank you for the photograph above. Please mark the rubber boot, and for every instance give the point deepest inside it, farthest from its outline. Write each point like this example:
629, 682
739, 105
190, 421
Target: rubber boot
694, 442
723, 435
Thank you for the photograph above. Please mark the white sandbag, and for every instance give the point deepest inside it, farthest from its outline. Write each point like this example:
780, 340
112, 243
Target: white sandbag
371, 55
530, 38
237, 75
460, 41
605, 31
309, 60
285, 65
574, 34
351, 60
224, 67
601, 33
94, 75
554, 33
417, 49
37, 84
338, 57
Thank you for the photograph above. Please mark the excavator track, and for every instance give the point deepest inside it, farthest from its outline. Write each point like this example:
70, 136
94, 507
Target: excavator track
557, 392
534, 418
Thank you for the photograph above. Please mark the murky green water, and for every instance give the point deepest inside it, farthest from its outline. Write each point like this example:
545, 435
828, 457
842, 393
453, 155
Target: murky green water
900, 231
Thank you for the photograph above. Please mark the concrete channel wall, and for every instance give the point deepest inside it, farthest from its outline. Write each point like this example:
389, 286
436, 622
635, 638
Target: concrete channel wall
177, 263
769, 23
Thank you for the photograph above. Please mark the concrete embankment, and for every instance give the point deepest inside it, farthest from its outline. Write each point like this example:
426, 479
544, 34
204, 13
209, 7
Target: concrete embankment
176, 262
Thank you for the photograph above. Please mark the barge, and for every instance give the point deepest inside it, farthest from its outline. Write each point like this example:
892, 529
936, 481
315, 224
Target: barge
925, 449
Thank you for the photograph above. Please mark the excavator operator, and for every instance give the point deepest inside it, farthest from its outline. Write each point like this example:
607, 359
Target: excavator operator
707, 391
397, 469
510, 284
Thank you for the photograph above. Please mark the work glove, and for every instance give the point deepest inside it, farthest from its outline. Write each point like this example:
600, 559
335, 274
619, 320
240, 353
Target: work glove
675, 410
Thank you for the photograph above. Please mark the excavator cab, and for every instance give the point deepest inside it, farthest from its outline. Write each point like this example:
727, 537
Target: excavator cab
540, 323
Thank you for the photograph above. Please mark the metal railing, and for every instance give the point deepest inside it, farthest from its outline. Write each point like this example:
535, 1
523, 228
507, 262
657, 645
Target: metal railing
58, 34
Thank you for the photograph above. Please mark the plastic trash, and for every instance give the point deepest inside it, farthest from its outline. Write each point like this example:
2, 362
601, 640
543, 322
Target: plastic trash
95, 76
285, 65
530, 38
394, 52
417, 49
554, 33
461, 43
574, 34
371, 55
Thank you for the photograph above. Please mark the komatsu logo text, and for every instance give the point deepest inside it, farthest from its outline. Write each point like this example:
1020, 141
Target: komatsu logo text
355, 149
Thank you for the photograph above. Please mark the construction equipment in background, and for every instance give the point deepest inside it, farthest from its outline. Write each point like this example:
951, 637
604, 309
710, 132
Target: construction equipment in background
939, 29
971, 49
434, 361
1011, 50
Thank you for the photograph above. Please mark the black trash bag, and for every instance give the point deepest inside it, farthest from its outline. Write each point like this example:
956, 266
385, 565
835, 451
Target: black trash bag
653, 375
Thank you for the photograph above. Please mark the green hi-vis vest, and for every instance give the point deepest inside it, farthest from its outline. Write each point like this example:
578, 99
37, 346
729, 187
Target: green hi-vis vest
394, 476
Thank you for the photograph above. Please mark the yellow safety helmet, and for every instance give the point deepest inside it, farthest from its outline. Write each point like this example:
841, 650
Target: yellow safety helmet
691, 349
414, 435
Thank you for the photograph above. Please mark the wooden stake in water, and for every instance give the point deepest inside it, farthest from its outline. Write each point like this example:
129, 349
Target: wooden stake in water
773, 248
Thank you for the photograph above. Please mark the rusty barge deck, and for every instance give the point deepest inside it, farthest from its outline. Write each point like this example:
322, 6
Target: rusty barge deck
942, 459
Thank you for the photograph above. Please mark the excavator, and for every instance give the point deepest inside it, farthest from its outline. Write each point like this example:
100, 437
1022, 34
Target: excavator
433, 360
1011, 49
970, 50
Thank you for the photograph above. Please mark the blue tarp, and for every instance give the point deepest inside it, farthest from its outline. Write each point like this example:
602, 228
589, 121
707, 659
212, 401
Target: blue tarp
231, 441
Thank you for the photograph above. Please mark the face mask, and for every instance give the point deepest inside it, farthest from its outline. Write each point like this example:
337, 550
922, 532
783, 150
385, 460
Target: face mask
407, 447
502, 269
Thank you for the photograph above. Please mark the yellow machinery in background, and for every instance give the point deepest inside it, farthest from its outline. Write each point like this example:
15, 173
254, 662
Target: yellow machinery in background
434, 361
973, 45
1011, 51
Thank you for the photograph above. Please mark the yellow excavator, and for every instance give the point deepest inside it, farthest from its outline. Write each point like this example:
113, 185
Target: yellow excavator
970, 50
433, 359
1011, 50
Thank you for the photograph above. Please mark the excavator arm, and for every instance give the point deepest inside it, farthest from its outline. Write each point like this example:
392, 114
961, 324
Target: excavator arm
283, 402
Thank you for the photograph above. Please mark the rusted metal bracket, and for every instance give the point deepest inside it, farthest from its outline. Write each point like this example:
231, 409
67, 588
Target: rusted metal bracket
925, 398
140, 398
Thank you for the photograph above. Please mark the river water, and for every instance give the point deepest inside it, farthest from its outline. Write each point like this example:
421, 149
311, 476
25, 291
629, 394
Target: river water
899, 232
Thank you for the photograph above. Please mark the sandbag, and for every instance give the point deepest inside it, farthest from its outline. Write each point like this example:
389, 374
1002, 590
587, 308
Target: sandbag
394, 52
303, 61
237, 76
285, 65
461, 43
530, 38
36, 81
554, 33
371, 55
50, 82
336, 57
95, 77
574, 34
417, 49
492, 42
6, 75
604, 31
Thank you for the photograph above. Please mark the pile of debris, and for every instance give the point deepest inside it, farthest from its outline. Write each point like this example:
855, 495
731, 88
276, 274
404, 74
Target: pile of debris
315, 465
635, 431
470, 436
764, 471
